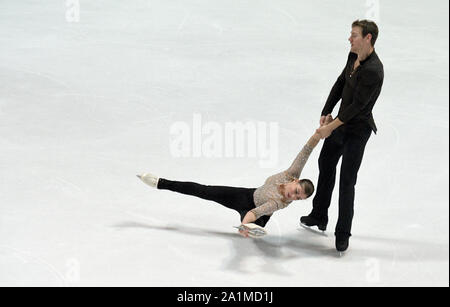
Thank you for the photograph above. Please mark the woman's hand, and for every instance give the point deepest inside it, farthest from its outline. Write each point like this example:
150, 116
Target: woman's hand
324, 131
244, 233
250, 217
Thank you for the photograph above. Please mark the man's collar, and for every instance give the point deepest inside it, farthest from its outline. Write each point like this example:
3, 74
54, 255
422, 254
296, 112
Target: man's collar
368, 57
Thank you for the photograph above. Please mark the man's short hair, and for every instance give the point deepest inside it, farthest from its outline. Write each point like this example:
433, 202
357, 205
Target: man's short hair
368, 27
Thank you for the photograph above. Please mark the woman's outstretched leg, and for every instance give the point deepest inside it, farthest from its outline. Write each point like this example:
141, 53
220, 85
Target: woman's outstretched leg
239, 199
230, 197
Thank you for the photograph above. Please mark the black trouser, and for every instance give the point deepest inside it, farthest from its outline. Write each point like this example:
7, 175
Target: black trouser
239, 199
350, 146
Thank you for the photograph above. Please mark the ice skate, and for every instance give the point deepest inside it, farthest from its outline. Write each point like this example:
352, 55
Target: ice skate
315, 231
149, 179
255, 231
342, 243
309, 221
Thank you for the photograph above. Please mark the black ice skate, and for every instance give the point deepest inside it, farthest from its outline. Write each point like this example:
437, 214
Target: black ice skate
310, 221
342, 242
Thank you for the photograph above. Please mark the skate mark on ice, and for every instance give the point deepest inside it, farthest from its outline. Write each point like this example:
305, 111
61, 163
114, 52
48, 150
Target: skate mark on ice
27, 258
286, 14
181, 25
39, 74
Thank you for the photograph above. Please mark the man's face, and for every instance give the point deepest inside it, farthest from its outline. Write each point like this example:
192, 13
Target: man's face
357, 41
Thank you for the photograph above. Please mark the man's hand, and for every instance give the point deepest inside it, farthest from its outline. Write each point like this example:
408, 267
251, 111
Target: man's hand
324, 131
325, 120
328, 119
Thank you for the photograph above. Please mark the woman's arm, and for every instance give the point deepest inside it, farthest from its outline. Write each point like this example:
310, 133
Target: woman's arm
250, 217
297, 166
300, 161
314, 140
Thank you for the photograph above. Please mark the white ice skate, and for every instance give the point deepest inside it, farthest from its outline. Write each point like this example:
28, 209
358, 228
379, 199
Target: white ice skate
255, 231
149, 179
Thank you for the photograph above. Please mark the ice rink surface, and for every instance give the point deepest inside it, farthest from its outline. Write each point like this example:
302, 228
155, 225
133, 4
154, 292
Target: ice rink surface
89, 94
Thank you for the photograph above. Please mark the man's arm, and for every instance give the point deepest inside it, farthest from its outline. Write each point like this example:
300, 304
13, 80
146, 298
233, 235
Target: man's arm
335, 94
366, 88
337, 89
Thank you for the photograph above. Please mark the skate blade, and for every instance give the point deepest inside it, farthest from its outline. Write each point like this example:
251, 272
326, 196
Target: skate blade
253, 233
315, 231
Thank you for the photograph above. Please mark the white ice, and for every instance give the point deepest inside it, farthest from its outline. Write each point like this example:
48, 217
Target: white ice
85, 106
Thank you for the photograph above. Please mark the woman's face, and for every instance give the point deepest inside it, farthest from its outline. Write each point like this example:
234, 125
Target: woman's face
294, 191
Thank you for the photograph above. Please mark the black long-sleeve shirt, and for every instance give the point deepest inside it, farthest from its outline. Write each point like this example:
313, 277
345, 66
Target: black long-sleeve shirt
359, 91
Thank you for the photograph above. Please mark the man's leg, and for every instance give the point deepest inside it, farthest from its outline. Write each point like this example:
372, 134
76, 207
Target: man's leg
351, 161
328, 160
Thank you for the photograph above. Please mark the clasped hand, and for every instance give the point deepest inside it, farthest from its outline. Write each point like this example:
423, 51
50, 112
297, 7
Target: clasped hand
325, 129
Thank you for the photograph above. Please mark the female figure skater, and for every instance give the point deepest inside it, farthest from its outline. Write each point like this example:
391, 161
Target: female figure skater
253, 205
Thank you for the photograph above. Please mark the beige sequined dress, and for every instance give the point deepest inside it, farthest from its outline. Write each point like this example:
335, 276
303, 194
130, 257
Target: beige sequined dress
267, 198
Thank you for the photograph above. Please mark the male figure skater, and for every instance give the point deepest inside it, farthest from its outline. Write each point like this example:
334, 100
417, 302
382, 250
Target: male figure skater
359, 86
